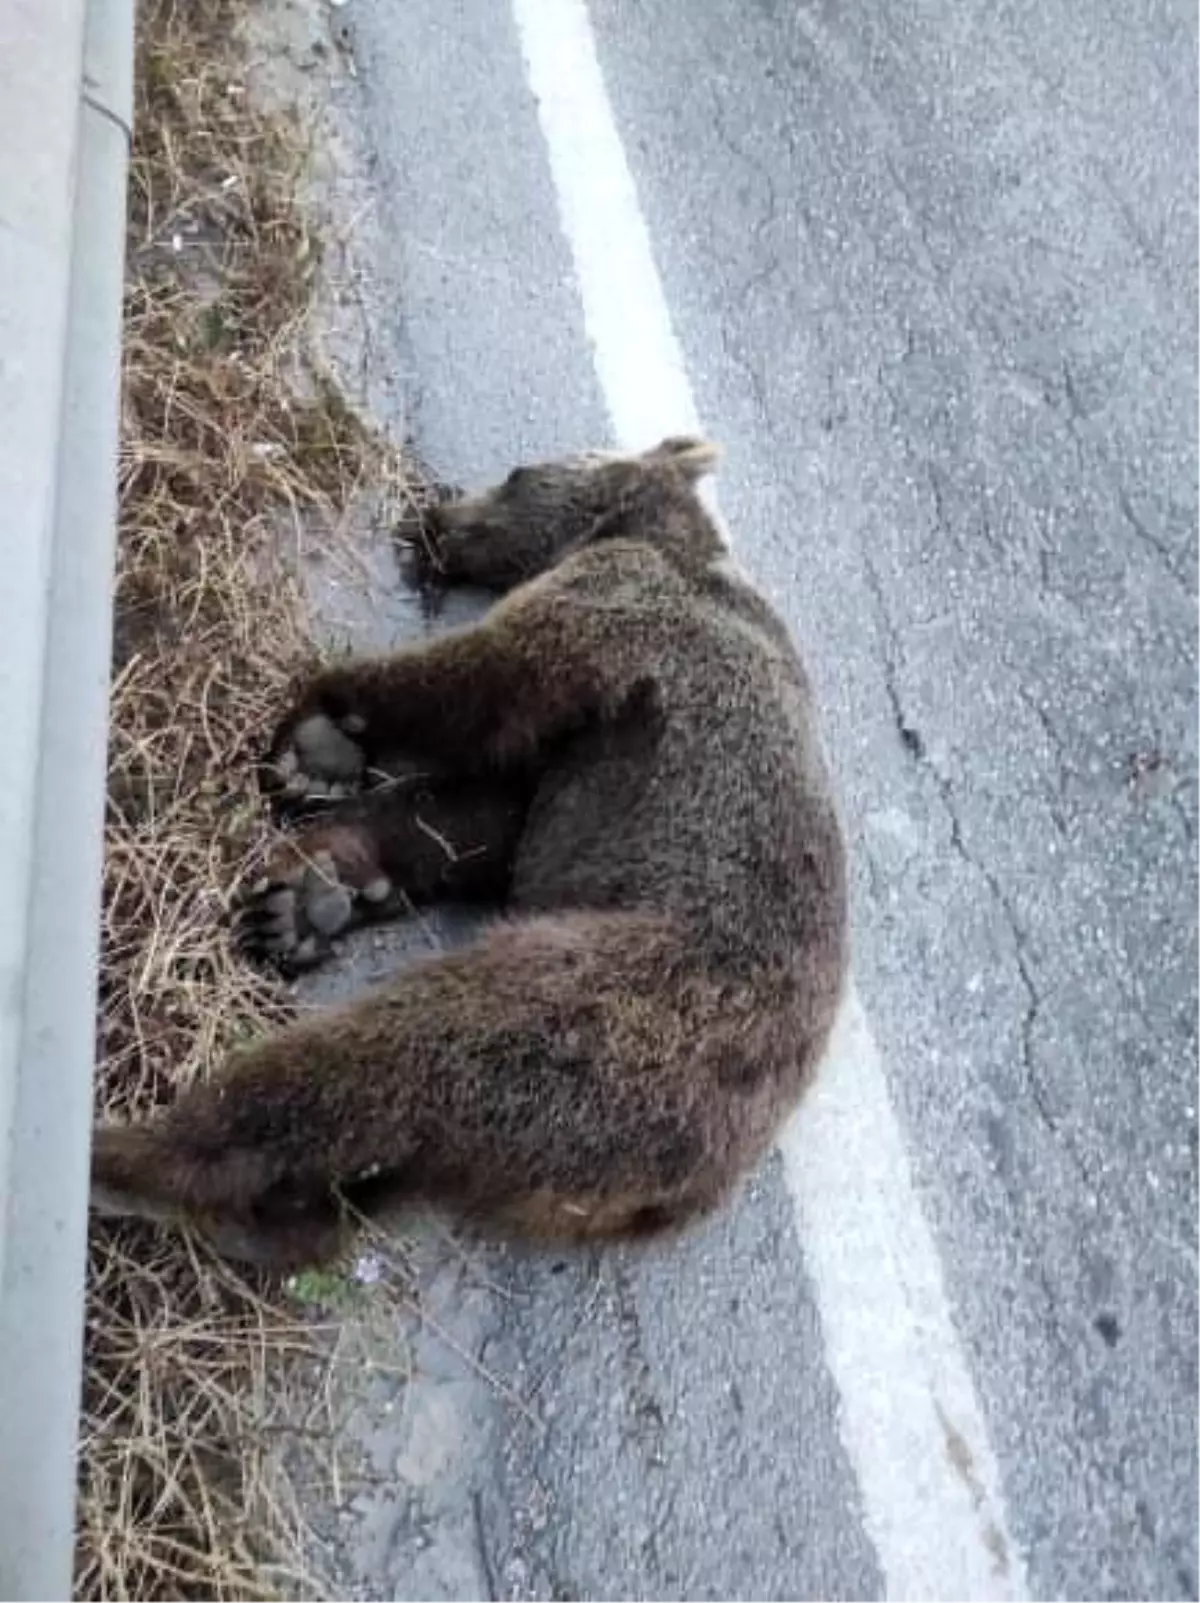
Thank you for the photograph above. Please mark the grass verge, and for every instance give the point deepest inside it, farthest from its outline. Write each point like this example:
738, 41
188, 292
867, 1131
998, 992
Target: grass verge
234, 455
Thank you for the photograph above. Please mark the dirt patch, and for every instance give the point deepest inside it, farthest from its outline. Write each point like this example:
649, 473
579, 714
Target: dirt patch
211, 1400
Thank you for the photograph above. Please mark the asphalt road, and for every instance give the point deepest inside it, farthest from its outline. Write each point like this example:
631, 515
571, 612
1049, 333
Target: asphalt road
932, 270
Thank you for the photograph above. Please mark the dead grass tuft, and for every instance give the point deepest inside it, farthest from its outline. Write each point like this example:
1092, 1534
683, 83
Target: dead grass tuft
232, 451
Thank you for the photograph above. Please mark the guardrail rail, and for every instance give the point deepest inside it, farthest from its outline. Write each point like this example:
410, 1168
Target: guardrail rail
65, 107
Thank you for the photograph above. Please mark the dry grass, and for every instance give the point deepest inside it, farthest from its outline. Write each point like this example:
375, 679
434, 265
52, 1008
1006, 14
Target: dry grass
231, 450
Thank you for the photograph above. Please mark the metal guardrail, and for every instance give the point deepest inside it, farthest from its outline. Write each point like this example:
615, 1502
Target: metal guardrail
65, 106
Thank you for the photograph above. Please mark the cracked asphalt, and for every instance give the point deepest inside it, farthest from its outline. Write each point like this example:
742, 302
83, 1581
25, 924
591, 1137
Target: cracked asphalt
933, 270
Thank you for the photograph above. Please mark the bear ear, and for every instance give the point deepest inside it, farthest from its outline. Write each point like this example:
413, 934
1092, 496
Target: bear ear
688, 452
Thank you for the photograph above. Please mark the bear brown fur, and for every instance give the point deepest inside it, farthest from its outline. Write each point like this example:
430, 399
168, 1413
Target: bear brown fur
623, 756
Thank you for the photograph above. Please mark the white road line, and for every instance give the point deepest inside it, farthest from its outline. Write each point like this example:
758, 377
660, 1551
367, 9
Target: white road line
910, 1420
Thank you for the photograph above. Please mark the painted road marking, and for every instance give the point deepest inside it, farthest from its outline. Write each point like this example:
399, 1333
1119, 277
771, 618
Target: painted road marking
910, 1420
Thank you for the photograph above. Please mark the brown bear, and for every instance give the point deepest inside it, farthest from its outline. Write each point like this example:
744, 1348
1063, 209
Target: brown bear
623, 758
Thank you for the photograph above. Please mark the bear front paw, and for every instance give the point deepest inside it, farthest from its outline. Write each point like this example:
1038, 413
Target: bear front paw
316, 759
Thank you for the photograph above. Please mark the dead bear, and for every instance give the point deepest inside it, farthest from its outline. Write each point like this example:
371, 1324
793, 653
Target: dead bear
622, 757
